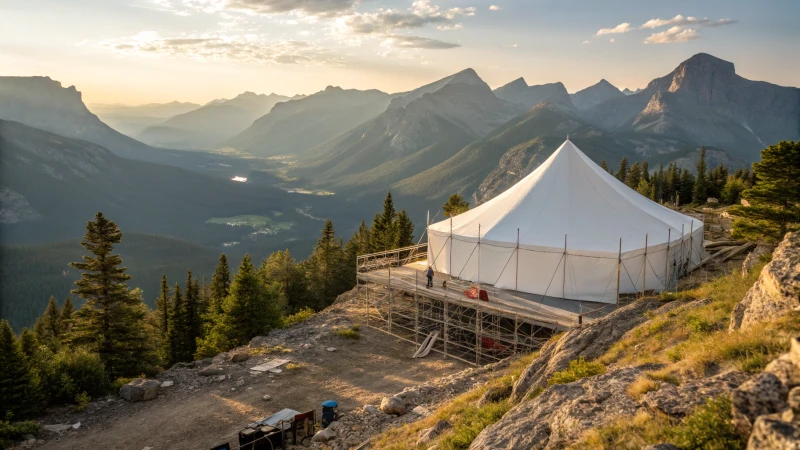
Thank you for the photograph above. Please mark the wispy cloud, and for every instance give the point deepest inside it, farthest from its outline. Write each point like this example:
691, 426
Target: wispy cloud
254, 49
621, 28
672, 35
495, 8
402, 41
385, 21
682, 21
318, 8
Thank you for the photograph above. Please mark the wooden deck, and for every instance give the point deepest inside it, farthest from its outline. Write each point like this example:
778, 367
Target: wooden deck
535, 309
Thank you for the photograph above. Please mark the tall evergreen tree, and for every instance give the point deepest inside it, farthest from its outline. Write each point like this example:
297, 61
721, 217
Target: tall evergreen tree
49, 328
359, 244
774, 198
111, 322
28, 342
604, 165
622, 172
645, 171
325, 268
178, 329
686, 186
220, 285
19, 390
634, 176
404, 234
163, 306
383, 227
281, 268
700, 188
455, 205
65, 315
194, 321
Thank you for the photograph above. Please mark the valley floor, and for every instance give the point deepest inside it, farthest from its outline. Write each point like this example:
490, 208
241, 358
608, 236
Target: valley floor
198, 412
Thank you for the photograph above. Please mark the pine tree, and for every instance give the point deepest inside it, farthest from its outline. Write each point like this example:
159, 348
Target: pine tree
65, 315
604, 165
28, 342
48, 328
359, 244
634, 176
249, 310
455, 205
774, 198
622, 173
220, 285
176, 337
686, 186
404, 234
281, 268
19, 390
325, 268
163, 306
645, 171
659, 184
383, 227
111, 322
700, 189
194, 321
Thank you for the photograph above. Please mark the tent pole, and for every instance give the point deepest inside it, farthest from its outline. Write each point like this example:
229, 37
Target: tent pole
666, 263
450, 257
389, 318
516, 272
564, 277
619, 268
416, 307
479, 257
644, 268
691, 244
682, 253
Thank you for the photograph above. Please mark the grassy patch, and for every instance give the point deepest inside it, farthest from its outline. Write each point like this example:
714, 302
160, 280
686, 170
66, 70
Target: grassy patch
579, 368
294, 366
300, 316
708, 427
269, 350
466, 420
665, 375
11, 432
348, 332
641, 386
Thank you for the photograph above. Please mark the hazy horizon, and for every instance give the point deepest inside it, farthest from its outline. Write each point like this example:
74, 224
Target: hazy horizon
159, 51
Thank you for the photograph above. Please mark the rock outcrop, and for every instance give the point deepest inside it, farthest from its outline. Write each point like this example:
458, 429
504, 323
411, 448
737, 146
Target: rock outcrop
679, 401
140, 389
777, 290
590, 341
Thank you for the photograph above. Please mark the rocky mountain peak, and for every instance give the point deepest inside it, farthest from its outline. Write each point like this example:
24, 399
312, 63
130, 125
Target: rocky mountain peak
698, 73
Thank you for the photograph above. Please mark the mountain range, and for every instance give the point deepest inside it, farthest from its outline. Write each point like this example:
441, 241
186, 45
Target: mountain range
211, 124
132, 120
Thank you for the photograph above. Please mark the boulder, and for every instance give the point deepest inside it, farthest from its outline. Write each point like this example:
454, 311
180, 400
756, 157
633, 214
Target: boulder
777, 290
429, 434
770, 432
240, 357
211, 371
369, 409
266, 397
562, 413
764, 394
753, 258
259, 342
139, 389
590, 341
167, 384
679, 401
324, 435
394, 405
786, 370
58, 428
494, 394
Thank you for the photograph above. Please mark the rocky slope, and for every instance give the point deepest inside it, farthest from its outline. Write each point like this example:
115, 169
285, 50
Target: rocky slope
705, 101
593, 95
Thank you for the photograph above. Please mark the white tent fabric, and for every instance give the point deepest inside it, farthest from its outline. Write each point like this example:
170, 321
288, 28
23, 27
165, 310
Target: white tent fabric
568, 230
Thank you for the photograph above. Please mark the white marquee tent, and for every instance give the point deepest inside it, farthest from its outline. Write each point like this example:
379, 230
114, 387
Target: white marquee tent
568, 230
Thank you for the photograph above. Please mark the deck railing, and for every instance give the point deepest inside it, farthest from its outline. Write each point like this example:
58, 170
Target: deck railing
392, 258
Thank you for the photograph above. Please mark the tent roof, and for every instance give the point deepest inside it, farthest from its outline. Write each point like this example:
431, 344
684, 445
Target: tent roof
569, 194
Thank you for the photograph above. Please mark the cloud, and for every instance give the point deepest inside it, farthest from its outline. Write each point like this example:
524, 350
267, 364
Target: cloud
495, 8
385, 21
318, 8
621, 28
585, 42
674, 34
250, 48
683, 21
511, 46
403, 41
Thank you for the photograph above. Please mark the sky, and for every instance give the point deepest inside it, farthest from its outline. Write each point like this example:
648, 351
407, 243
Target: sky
143, 51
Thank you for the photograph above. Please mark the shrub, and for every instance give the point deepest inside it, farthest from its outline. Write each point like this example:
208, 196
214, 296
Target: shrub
699, 325
118, 383
470, 423
708, 427
626, 433
11, 432
71, 372
348, 333
579, 368
82, 400
300, 316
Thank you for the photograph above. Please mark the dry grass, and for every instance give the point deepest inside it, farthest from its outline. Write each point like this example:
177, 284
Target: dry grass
294, 366
641, 386
268, 350
579, 368
466, 419
348, 332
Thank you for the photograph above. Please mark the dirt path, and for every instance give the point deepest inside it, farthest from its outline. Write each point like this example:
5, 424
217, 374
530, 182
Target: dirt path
200, 412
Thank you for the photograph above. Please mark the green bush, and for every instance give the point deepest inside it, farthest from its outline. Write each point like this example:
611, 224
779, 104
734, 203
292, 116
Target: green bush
82, 400
470, 423
11, 432
300, 316
579, 368
699, 325
70, 372
708, 427
348, 333
118, 383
